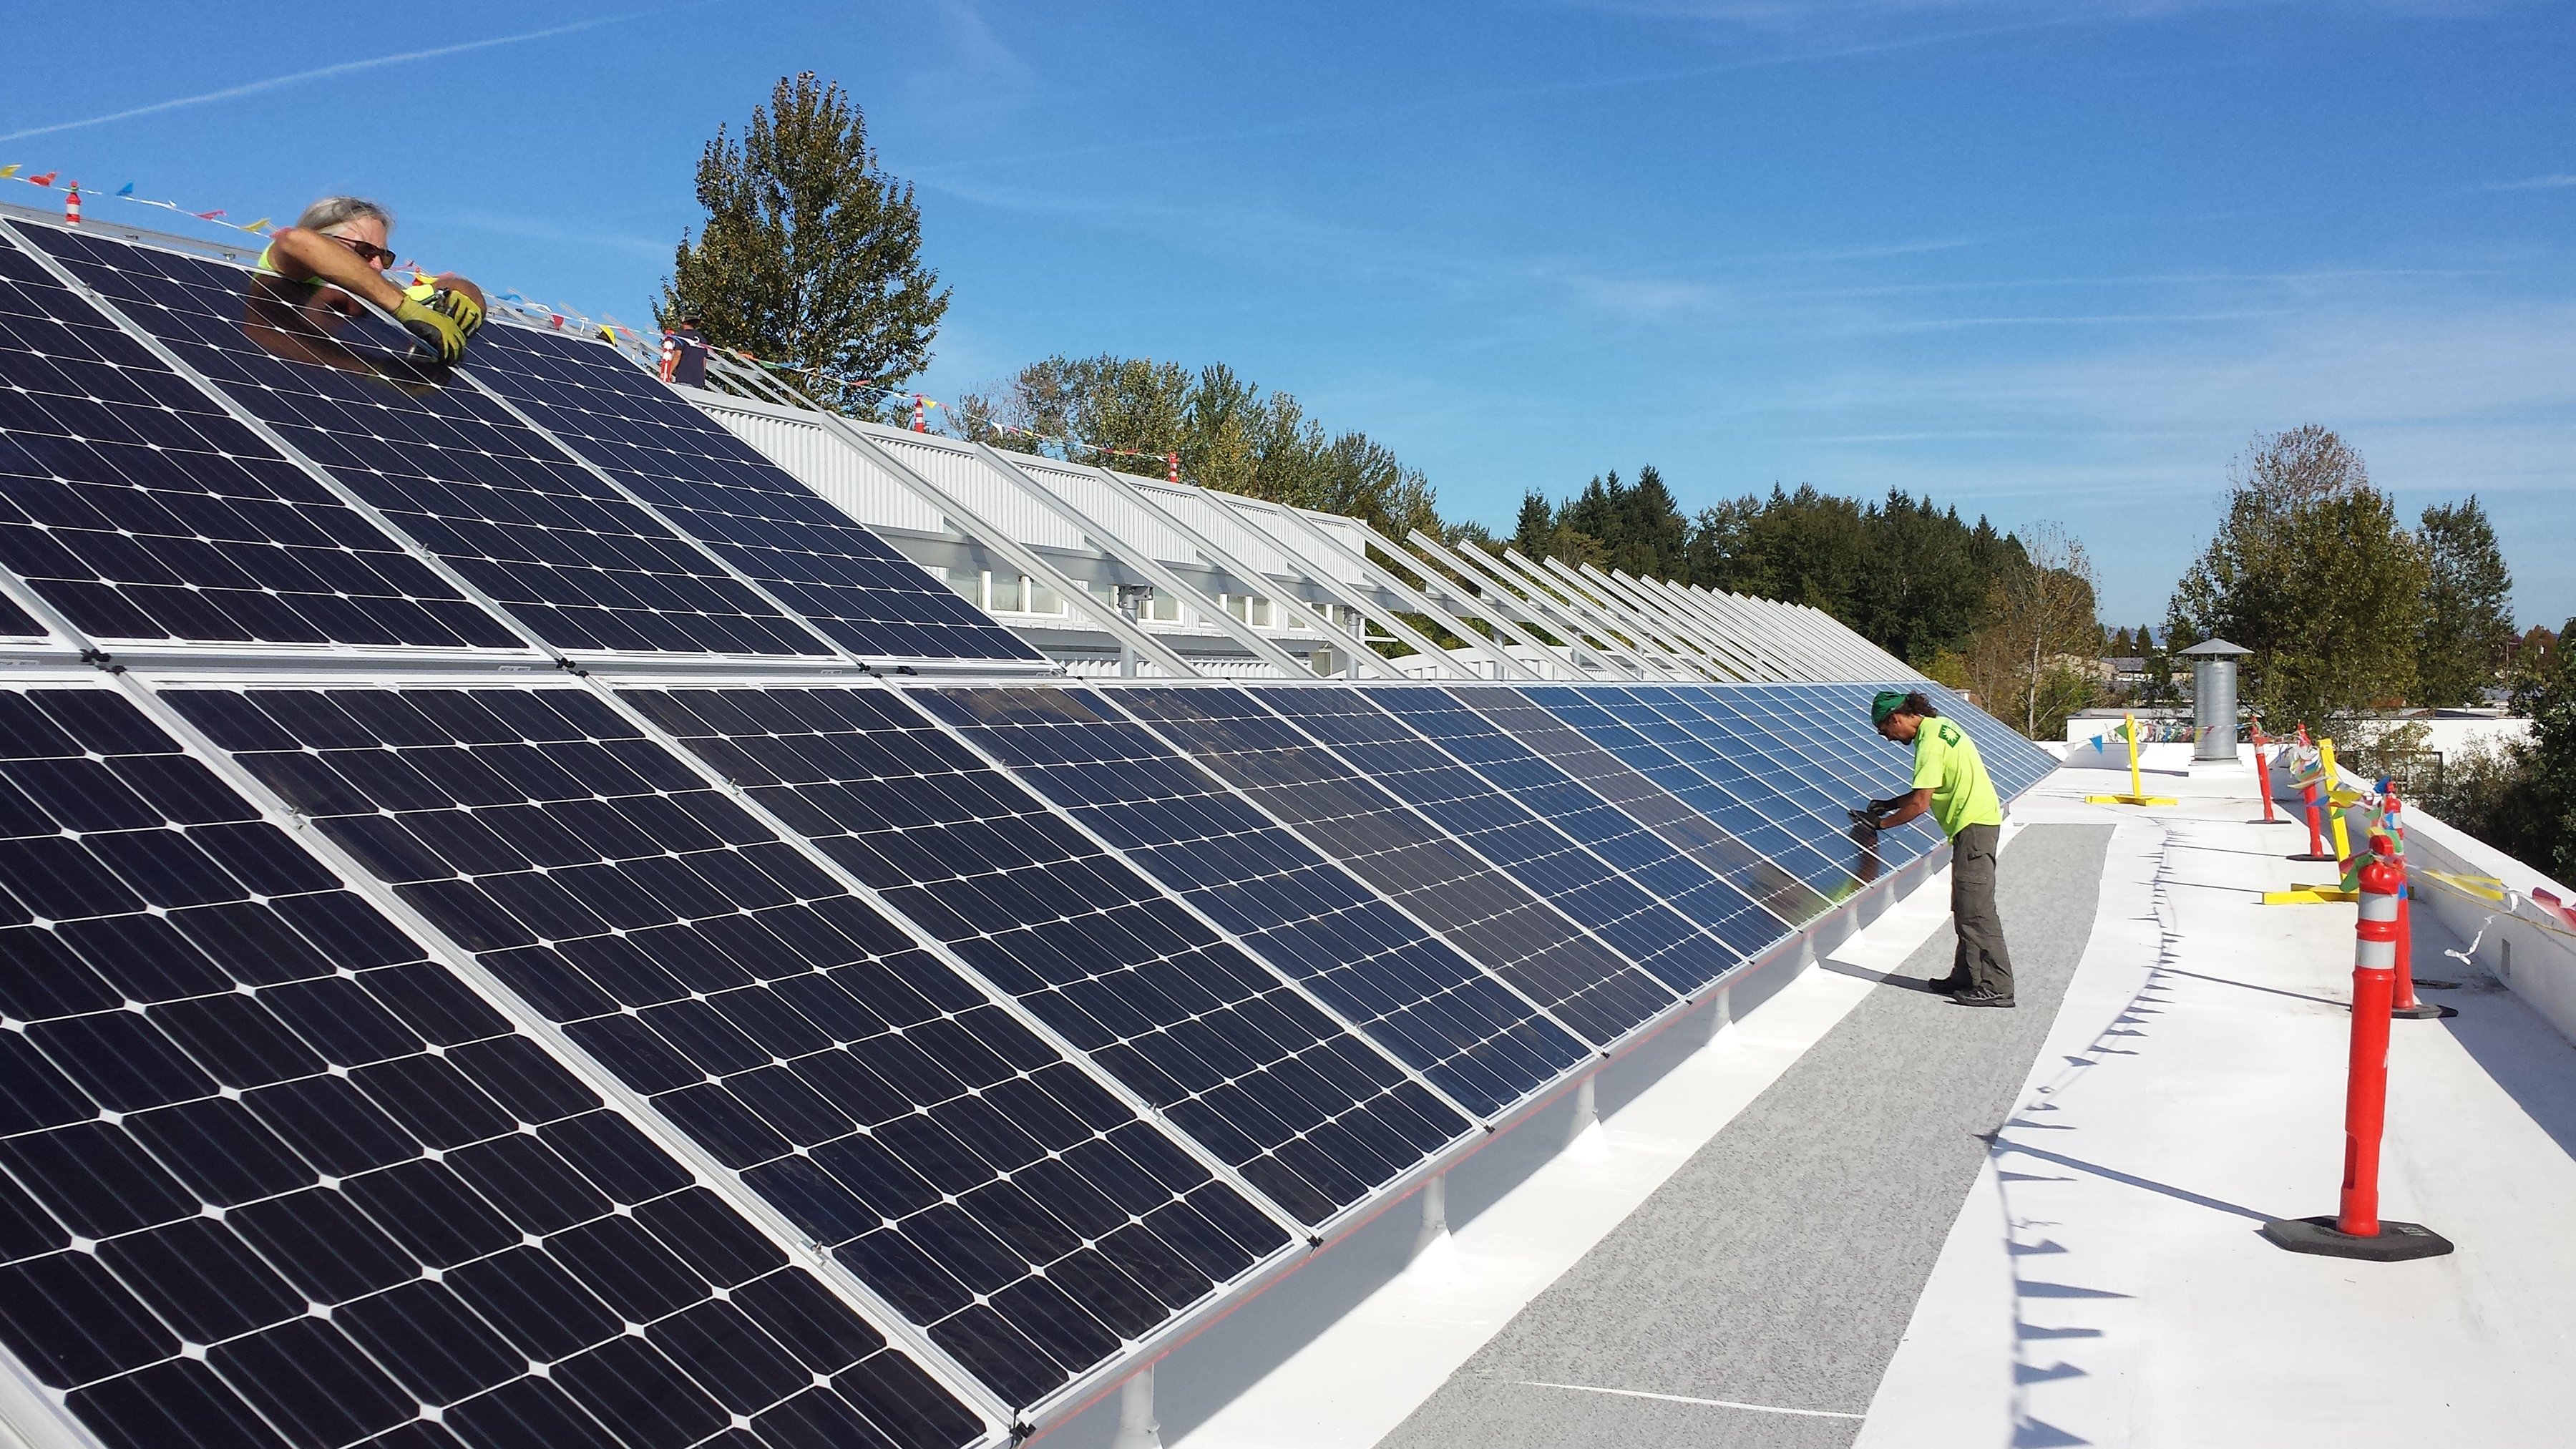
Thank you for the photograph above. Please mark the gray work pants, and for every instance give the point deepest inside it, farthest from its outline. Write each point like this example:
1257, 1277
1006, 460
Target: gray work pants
1982, 961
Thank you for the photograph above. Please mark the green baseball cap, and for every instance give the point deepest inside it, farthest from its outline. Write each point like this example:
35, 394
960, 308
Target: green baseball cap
1889, 701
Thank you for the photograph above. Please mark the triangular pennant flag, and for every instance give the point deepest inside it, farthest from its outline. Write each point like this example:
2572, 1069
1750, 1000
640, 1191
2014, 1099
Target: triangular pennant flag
45, 180
208, 215
259, 225
126, 190
9, 170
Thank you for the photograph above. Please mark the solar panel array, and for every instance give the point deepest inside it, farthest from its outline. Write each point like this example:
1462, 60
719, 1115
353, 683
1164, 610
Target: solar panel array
437, 1053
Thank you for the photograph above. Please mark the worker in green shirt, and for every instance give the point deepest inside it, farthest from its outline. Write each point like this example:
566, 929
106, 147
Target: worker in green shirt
1950, 785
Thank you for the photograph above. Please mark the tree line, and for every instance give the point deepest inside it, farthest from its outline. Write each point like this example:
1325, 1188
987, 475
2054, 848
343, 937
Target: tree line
1220, 430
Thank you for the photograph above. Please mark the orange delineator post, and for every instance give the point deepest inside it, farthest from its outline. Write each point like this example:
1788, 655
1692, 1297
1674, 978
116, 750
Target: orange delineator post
2365, 1100
2356, 1230
2263, 778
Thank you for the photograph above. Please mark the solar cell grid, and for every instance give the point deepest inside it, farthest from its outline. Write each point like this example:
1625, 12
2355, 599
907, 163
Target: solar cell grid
137, 506
567, 555
778, 532
1222, 1048
1816, 777
1519, 771
1725, 791
1411, 992
1678, 825
1831, 727
943, 1153
1495, 920
270, 1177
1503, 829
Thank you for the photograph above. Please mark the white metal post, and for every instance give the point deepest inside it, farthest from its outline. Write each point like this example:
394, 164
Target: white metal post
1137, 1427
1435, 1215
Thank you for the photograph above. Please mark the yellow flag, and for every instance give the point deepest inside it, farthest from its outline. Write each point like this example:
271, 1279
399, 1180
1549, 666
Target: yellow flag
8, 171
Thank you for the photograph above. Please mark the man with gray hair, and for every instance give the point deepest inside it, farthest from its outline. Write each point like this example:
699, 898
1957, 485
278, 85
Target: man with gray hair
339, 242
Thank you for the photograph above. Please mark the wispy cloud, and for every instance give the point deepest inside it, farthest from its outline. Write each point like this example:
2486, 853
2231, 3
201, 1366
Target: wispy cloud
2532, 183
1789, 14
2093, 319
535, 230
345, 67
1375, 117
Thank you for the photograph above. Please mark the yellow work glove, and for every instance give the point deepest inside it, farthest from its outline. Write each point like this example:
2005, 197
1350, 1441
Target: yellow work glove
436, 330
442, 320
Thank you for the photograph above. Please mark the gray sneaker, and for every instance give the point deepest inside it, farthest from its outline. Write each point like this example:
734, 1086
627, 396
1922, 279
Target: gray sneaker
1980, 998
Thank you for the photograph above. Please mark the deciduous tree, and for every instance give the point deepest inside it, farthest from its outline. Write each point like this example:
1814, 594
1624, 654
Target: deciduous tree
2311, 571
1131, 413
2031, 662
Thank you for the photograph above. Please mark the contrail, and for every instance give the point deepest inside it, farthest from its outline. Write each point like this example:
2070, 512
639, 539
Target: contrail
343, 68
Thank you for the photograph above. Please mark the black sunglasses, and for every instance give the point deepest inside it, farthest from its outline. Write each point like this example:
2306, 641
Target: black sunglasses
367, 251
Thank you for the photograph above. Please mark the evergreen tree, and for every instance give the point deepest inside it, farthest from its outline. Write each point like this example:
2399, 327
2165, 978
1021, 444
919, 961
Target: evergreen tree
809, 254
2466, 630
1536, 527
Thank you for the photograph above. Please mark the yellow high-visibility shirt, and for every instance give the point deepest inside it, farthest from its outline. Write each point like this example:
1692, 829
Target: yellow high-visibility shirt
1946, 762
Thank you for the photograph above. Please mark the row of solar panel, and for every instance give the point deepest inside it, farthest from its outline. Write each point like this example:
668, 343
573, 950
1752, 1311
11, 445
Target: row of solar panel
1035, 1058
676, 1042
320, 488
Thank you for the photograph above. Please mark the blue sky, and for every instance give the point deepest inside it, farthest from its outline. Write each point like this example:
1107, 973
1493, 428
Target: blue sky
2048, 261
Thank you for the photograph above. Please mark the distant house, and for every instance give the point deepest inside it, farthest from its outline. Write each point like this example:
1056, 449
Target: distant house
2122, 671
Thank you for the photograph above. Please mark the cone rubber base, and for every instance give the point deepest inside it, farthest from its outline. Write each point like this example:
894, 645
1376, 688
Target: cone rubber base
2423, 1011
2396, 1243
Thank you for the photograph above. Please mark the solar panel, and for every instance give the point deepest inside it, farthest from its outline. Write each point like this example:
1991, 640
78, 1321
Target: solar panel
137, 506
1502, 829
1817, 781
1639, 798
938, 1149
567, 555
1730, 795
269, 1176
1519, 772
1220, 1046
1495, 920
778, 532
1825, 731
1408, 990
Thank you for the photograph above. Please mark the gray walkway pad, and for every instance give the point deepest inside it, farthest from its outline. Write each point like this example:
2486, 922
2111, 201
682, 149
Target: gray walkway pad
1776, 1271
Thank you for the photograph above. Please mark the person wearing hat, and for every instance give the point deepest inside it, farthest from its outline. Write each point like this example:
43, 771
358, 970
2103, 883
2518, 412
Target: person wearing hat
1951, 786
